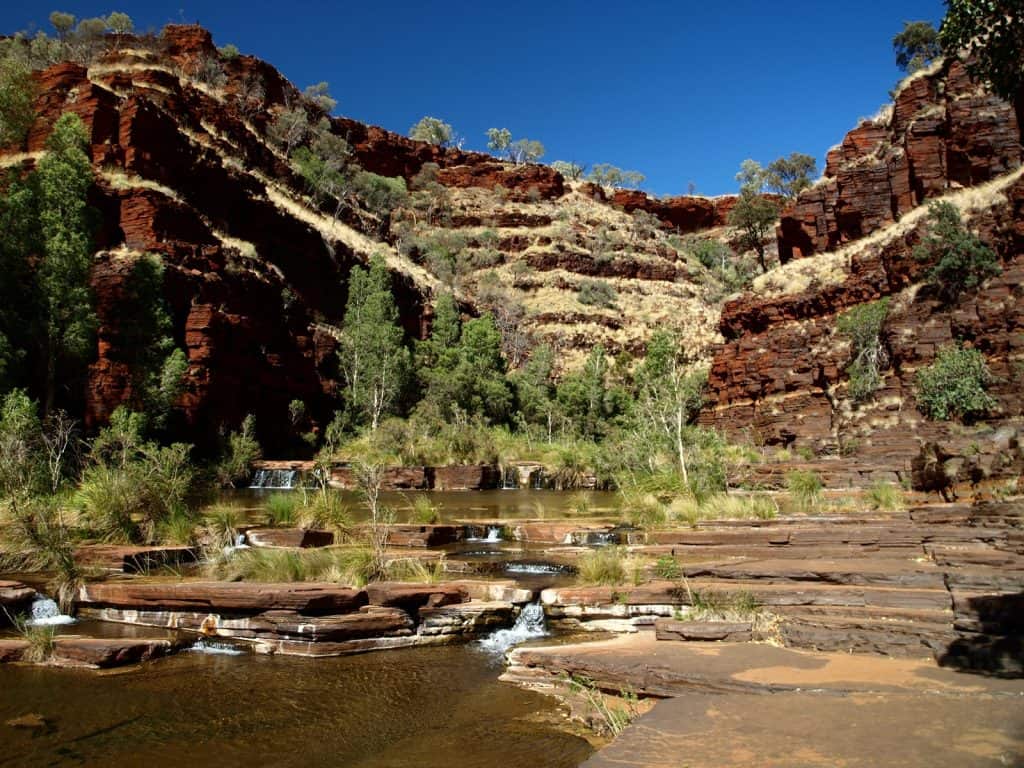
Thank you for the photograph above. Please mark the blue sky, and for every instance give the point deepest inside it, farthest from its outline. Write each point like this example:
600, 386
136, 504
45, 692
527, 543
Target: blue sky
681, 91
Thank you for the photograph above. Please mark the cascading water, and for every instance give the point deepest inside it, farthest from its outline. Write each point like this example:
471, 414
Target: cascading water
46, 613
510, 480
219, 649
529, 625
274, 479
493, 535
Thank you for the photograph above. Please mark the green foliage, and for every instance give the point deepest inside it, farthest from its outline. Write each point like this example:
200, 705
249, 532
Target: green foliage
916, 46
433, 131
34, 536
289, 128
66, 221
319, 96
134, 489
608, 175
960, 260
17, 101
21, 444
121, 24
157, 366
40, 639
789, 176
754, 216
380, 194
954, 385
324, 165
609, 720
569, 171
596, 293
804, 488
374, 362
229, 52
424, 511
519, 151
863, 326
885, 496
992, 32
282, 508
239, 452
605, 566
585, 399
667, 567
62, 23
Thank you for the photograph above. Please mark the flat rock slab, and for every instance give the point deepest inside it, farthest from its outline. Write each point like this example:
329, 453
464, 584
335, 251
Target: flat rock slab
666, 670
806, 730
97, 652
133, 559
288, 538
14, 596
735, 631
423, 535
309, 598
412, 597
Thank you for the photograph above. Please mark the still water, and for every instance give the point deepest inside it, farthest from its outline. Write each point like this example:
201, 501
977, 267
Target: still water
429, 707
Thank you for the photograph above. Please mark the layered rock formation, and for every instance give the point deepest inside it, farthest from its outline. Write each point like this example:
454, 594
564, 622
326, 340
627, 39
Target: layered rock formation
780, 378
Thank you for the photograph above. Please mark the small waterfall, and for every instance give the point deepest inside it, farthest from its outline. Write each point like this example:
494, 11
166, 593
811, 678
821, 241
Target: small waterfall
493, 534
510, 480
274, 479
535, 569
537, 480
240, 543
46, 613
529, 625
220, 649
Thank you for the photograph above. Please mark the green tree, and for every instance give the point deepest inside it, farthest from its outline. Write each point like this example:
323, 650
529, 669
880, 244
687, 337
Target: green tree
917, 46
65, 176
120, 23
374, 360
535, 391
19, 241
754, 216
789, 176
992, 31
157, 366
954, 385
319, 95
570, 171
324, 166
585, 399
670, 392
862, 325
498, 140
289, 128
608, 175
519, 151
62, 23
17, 101
960, 260
433, 131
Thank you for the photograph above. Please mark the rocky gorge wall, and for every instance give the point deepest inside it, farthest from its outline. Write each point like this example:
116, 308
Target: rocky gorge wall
780, 379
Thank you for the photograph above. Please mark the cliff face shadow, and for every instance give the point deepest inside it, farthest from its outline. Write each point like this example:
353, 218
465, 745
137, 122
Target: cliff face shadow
992, 640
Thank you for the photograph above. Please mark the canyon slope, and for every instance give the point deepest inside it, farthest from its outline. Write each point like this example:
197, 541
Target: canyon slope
256, 273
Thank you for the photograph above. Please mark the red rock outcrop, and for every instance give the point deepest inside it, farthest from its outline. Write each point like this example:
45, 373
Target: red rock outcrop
944, 132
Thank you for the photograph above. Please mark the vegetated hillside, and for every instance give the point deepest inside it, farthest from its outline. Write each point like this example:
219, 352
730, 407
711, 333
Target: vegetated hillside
783, 374
256, 271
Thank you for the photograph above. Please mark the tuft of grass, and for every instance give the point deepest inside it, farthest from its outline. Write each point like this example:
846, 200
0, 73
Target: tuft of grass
643, 509
608, 719
885, 496
667, 567
605, 566
580, 504
425, 511
40, 640
326, 512
723, 606
282, 508
178, 529
805, 489
415, 569
220, 526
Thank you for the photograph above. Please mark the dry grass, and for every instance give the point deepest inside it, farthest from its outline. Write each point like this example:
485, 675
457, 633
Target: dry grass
120, 179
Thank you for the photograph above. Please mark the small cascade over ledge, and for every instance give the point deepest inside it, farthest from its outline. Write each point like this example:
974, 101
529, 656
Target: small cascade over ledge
46, 613
529, 625
274, 479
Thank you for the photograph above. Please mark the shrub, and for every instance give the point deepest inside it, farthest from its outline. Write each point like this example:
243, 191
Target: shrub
570, 171
960, 260
884, 496
954, 385
34, 536
804, 488
432, 131
282, 508
596, 293
380, 194
40, 640
603, 566
667, 568
425, 511
240, 451
863, 326
228, 52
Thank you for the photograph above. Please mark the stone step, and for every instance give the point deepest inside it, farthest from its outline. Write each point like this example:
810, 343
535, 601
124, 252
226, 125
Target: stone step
850, 572
96, 652
865, 634
730, 631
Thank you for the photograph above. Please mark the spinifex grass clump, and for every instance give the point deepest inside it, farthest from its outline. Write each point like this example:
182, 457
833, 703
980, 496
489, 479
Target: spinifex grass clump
424, 510
884, 496
282, 508
722, 606
605, 566
804, 488
40, 640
